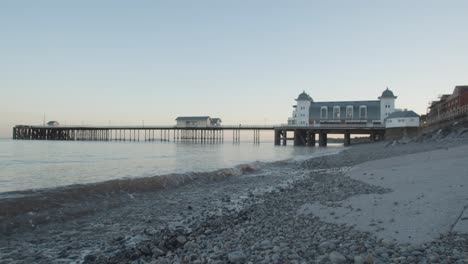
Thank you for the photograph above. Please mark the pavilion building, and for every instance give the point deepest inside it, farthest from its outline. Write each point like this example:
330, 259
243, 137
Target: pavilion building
371, 112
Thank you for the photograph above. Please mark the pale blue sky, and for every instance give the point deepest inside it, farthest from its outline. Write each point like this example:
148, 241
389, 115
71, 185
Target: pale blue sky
244, 61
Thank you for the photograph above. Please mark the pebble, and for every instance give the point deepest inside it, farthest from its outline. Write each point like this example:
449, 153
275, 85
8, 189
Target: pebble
236, 257
181, 239
336, 257
358, 260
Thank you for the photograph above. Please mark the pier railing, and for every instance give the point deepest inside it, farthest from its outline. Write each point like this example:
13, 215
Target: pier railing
333, 126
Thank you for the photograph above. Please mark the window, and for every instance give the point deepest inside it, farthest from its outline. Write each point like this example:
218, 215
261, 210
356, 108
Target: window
362, 112
336, 112
349, 112
324, 112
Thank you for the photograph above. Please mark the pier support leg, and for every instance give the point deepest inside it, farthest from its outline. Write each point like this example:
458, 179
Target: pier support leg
310, 139
322, 139
381, 136
285, 137
277, 137
347, 139
299, 137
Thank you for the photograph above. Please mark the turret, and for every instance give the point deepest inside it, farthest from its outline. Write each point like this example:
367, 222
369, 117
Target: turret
387, 104
302, 109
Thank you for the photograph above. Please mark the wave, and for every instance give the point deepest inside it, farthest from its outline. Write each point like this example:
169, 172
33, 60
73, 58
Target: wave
45, 201
30, 201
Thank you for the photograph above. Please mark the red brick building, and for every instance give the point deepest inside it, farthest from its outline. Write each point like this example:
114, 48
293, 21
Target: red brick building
449, 106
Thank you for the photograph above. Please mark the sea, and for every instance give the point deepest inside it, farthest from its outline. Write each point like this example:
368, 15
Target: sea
30, 165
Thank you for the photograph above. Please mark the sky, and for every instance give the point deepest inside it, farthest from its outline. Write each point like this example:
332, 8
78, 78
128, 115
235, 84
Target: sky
128, 62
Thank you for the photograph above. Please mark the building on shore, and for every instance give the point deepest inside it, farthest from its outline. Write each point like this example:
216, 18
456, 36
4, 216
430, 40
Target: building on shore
373, 112
403, 118
197, 121
449, 106
402, 124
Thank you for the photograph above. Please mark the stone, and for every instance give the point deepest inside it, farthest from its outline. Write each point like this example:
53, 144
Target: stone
236, 257
359, 260
321, 259
369, 259
327, 245
386, 242
145, 250
157, 252
89, 258
181, 239
275, 258
434, 258
266, 244
336, 257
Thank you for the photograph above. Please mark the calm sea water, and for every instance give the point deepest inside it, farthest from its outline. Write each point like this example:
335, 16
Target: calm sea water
45, 164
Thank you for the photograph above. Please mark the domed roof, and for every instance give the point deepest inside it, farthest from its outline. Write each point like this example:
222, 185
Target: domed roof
304, 97
387, 94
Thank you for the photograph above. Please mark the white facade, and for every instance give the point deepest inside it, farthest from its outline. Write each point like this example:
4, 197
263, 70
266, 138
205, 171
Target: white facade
387, 106
402, 122
302, 112
193, 123
197, 121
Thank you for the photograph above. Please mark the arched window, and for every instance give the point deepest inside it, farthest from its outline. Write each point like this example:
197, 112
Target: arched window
323, 112
349, 112
363, 112
336, 112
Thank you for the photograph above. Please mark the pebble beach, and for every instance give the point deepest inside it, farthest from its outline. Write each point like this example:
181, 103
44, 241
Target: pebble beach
266, 215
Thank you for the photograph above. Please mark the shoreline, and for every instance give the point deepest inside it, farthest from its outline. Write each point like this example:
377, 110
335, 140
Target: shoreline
221, 221
96, 162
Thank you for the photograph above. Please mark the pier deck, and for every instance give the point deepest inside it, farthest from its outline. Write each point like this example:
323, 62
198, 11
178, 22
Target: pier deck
303, 135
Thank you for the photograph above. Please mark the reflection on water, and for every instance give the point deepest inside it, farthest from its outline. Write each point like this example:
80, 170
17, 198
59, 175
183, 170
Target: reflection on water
43, 164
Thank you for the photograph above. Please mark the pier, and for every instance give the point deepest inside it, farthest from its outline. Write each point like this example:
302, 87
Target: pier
212, 134
300, 135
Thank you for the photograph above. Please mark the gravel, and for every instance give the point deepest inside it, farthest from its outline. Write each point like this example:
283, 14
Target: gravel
246, 219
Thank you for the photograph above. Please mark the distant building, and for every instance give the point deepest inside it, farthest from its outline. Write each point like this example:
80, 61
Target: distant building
307, 112
197, 121
449, 105
53, 123
402, 119
215, 121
